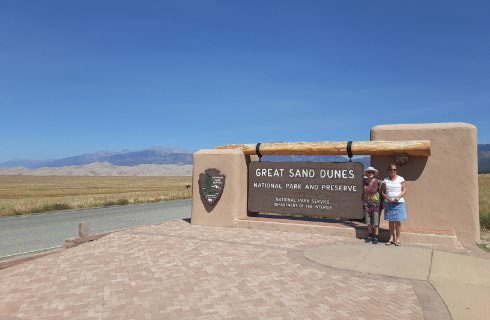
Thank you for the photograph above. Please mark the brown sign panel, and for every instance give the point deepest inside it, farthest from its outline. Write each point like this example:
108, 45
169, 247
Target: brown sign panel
330, 190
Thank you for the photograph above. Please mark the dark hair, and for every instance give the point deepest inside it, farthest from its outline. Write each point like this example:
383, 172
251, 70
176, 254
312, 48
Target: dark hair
392, 165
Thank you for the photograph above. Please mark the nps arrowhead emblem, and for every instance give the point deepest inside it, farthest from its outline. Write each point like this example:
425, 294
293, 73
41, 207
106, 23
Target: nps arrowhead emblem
211, 186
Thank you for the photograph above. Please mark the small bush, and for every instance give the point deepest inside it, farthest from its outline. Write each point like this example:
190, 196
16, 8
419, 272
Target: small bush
122, 202
485, 221
119, 202
51, 207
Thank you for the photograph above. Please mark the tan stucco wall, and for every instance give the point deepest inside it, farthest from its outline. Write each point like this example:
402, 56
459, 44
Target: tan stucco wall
233, 201
442, 190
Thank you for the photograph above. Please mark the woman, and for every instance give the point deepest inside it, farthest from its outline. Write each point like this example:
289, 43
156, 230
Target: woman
393, 190
371, 203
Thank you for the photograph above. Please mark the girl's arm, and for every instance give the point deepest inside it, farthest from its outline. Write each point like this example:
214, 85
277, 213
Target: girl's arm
383, 190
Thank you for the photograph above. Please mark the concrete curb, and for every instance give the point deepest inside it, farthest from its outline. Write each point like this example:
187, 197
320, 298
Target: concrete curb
18, 260
69, 243
73, 242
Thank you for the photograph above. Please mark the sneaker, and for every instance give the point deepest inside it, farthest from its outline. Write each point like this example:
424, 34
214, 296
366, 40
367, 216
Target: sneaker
368, 239
375, 240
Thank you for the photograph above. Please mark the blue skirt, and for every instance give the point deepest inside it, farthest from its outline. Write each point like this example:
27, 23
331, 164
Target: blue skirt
395, 211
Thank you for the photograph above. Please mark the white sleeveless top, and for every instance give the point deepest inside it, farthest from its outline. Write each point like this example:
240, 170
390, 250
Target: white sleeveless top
394, 188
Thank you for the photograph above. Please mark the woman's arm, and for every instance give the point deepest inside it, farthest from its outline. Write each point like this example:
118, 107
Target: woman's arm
404, 190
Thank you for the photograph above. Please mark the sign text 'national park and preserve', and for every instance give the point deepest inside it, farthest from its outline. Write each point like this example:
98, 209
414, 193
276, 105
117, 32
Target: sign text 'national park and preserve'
331, 190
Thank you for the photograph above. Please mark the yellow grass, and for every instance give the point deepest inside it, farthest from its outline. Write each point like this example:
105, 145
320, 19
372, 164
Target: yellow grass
30, 194
484, 184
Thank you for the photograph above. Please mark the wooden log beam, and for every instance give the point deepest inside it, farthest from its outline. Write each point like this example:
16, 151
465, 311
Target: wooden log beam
418, 148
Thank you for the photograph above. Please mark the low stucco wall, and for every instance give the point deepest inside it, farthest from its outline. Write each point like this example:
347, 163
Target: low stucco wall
233, 201
442, 190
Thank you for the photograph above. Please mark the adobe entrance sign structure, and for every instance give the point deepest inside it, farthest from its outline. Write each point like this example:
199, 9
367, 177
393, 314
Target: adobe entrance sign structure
428, 156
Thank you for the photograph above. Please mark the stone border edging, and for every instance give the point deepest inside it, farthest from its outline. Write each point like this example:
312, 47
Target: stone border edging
73, 242
69, 243
18, 260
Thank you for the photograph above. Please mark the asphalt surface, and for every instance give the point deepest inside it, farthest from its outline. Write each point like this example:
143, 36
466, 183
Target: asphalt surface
24, 234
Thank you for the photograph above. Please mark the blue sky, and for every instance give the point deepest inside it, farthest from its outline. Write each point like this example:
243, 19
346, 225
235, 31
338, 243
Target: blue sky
82, 76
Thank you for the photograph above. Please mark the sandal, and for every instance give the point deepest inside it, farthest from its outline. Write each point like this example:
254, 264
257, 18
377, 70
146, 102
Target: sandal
398, 244
389, 243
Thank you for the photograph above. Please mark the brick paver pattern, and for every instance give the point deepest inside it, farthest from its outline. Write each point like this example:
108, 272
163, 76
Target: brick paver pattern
176, 270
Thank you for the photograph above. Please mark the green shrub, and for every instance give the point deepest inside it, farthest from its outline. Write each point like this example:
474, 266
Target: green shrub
118, 202
485, 220
51, 207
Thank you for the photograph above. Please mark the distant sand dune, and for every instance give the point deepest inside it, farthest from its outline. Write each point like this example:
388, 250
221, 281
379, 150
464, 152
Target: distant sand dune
103, 169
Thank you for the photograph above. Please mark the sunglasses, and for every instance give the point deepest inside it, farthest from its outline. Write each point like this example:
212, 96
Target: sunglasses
371, 172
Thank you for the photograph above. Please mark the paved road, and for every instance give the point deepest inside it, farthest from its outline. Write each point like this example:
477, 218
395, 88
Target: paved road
35, 232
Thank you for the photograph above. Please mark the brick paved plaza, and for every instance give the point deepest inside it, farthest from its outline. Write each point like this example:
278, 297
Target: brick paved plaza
176, 270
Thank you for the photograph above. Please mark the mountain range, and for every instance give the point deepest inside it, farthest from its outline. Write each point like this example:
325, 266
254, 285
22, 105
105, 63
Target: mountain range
484, 158
102, 169
154, 155
178, 156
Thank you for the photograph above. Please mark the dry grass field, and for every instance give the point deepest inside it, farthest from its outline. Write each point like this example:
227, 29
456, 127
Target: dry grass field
484, 184
31, 194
